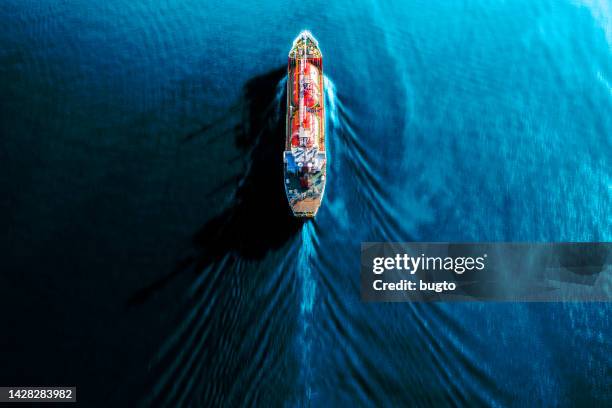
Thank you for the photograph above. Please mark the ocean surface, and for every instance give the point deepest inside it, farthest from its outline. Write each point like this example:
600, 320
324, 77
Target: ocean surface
147, 254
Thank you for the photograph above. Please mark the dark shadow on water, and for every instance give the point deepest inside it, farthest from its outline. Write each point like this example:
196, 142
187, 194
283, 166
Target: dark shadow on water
220, 347
258, 220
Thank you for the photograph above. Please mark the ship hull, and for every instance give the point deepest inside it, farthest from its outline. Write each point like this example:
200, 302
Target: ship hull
305, 159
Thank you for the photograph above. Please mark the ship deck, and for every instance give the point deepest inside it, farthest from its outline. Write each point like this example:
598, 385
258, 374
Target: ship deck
305, 198
305, 201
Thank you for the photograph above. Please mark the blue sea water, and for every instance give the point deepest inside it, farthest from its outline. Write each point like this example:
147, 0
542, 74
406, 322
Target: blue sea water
147, 254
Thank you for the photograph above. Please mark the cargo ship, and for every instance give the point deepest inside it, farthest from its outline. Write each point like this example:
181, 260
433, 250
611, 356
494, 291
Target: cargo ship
304, 157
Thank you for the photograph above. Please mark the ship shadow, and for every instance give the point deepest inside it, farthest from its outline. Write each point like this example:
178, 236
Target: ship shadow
259, 219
